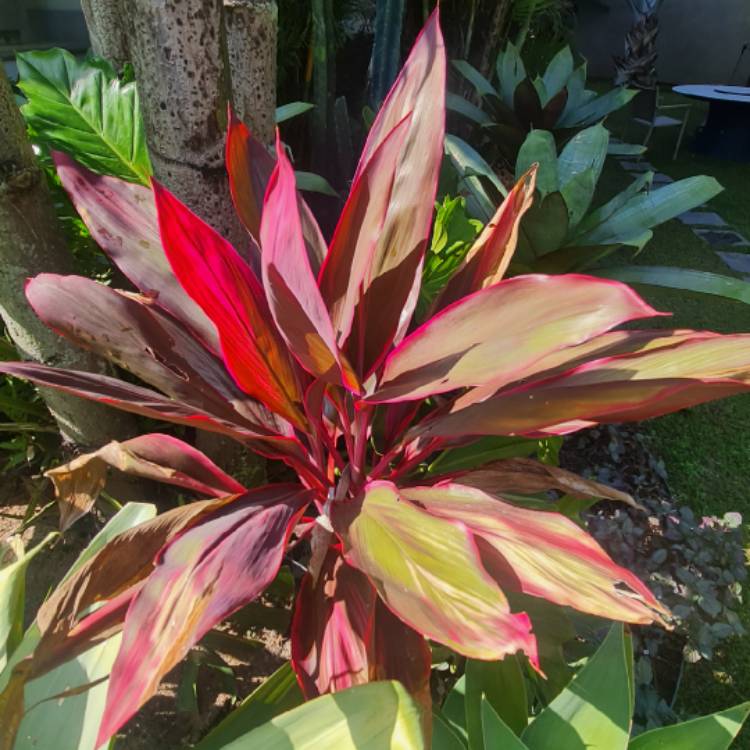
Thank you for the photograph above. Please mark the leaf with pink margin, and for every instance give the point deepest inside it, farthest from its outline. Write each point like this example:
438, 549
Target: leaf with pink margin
524, 476
391, 287
429, 573
140, 338
543, 554
148, 403
343, 635
333, 615
621, 388
121, 217
495, 335
490, 255
161, 458
291, 288
112, 575
351, 250
218, 279
249, 166
201, 577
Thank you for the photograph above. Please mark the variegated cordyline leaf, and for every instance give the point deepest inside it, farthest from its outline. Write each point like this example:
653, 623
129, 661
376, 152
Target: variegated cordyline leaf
149, 403
162, 458
218, 279
343, 635
496, 335
351, 250
528, 477
121, 217
428, 571
542, 554
291, 288
332, 617
627, 387
391, 285
250, 166
489, 257
131, 332
112, 575
202, 576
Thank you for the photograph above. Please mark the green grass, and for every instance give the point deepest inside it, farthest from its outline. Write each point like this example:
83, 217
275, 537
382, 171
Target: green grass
706, 449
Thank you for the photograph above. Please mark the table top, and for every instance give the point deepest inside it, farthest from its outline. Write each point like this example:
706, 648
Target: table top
717, 92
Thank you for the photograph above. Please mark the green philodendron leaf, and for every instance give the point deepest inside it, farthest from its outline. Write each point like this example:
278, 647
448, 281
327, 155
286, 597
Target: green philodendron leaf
539, 147
648, 209
594, 711
544, 229
578, 193
472, 169
510, 72
279, 693
585, 150
464, 107
496, 733
599, 215
558, 71
481, 85
597, 108
713, 732
376, 716
81, 108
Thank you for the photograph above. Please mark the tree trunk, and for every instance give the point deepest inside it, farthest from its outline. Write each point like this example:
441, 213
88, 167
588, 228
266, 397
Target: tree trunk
495, 38
176, 50
251, 28
107, 33
31, 242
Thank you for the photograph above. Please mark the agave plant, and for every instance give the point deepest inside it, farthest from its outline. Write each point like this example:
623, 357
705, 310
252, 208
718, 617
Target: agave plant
314, 361
557, 101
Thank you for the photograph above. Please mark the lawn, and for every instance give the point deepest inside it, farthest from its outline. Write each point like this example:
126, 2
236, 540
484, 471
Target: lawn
706, 450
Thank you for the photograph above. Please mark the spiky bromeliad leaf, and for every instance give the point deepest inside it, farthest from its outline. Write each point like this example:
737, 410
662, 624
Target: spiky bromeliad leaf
81, 108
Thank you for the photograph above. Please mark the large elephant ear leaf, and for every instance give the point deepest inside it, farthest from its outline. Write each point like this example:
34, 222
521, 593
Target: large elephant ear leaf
82, 109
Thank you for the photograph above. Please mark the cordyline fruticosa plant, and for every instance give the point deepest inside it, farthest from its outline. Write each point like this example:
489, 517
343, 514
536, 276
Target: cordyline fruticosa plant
314, 359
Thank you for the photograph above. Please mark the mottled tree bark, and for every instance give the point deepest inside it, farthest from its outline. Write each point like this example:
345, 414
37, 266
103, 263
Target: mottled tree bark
31, 242
251, 29
104, 20
176, 50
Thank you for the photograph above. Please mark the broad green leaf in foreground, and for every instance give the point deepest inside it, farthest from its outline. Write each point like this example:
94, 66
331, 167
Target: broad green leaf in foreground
60, 710
12, 587
280, 692
593, 712
376, 716
713, 732
81, 108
